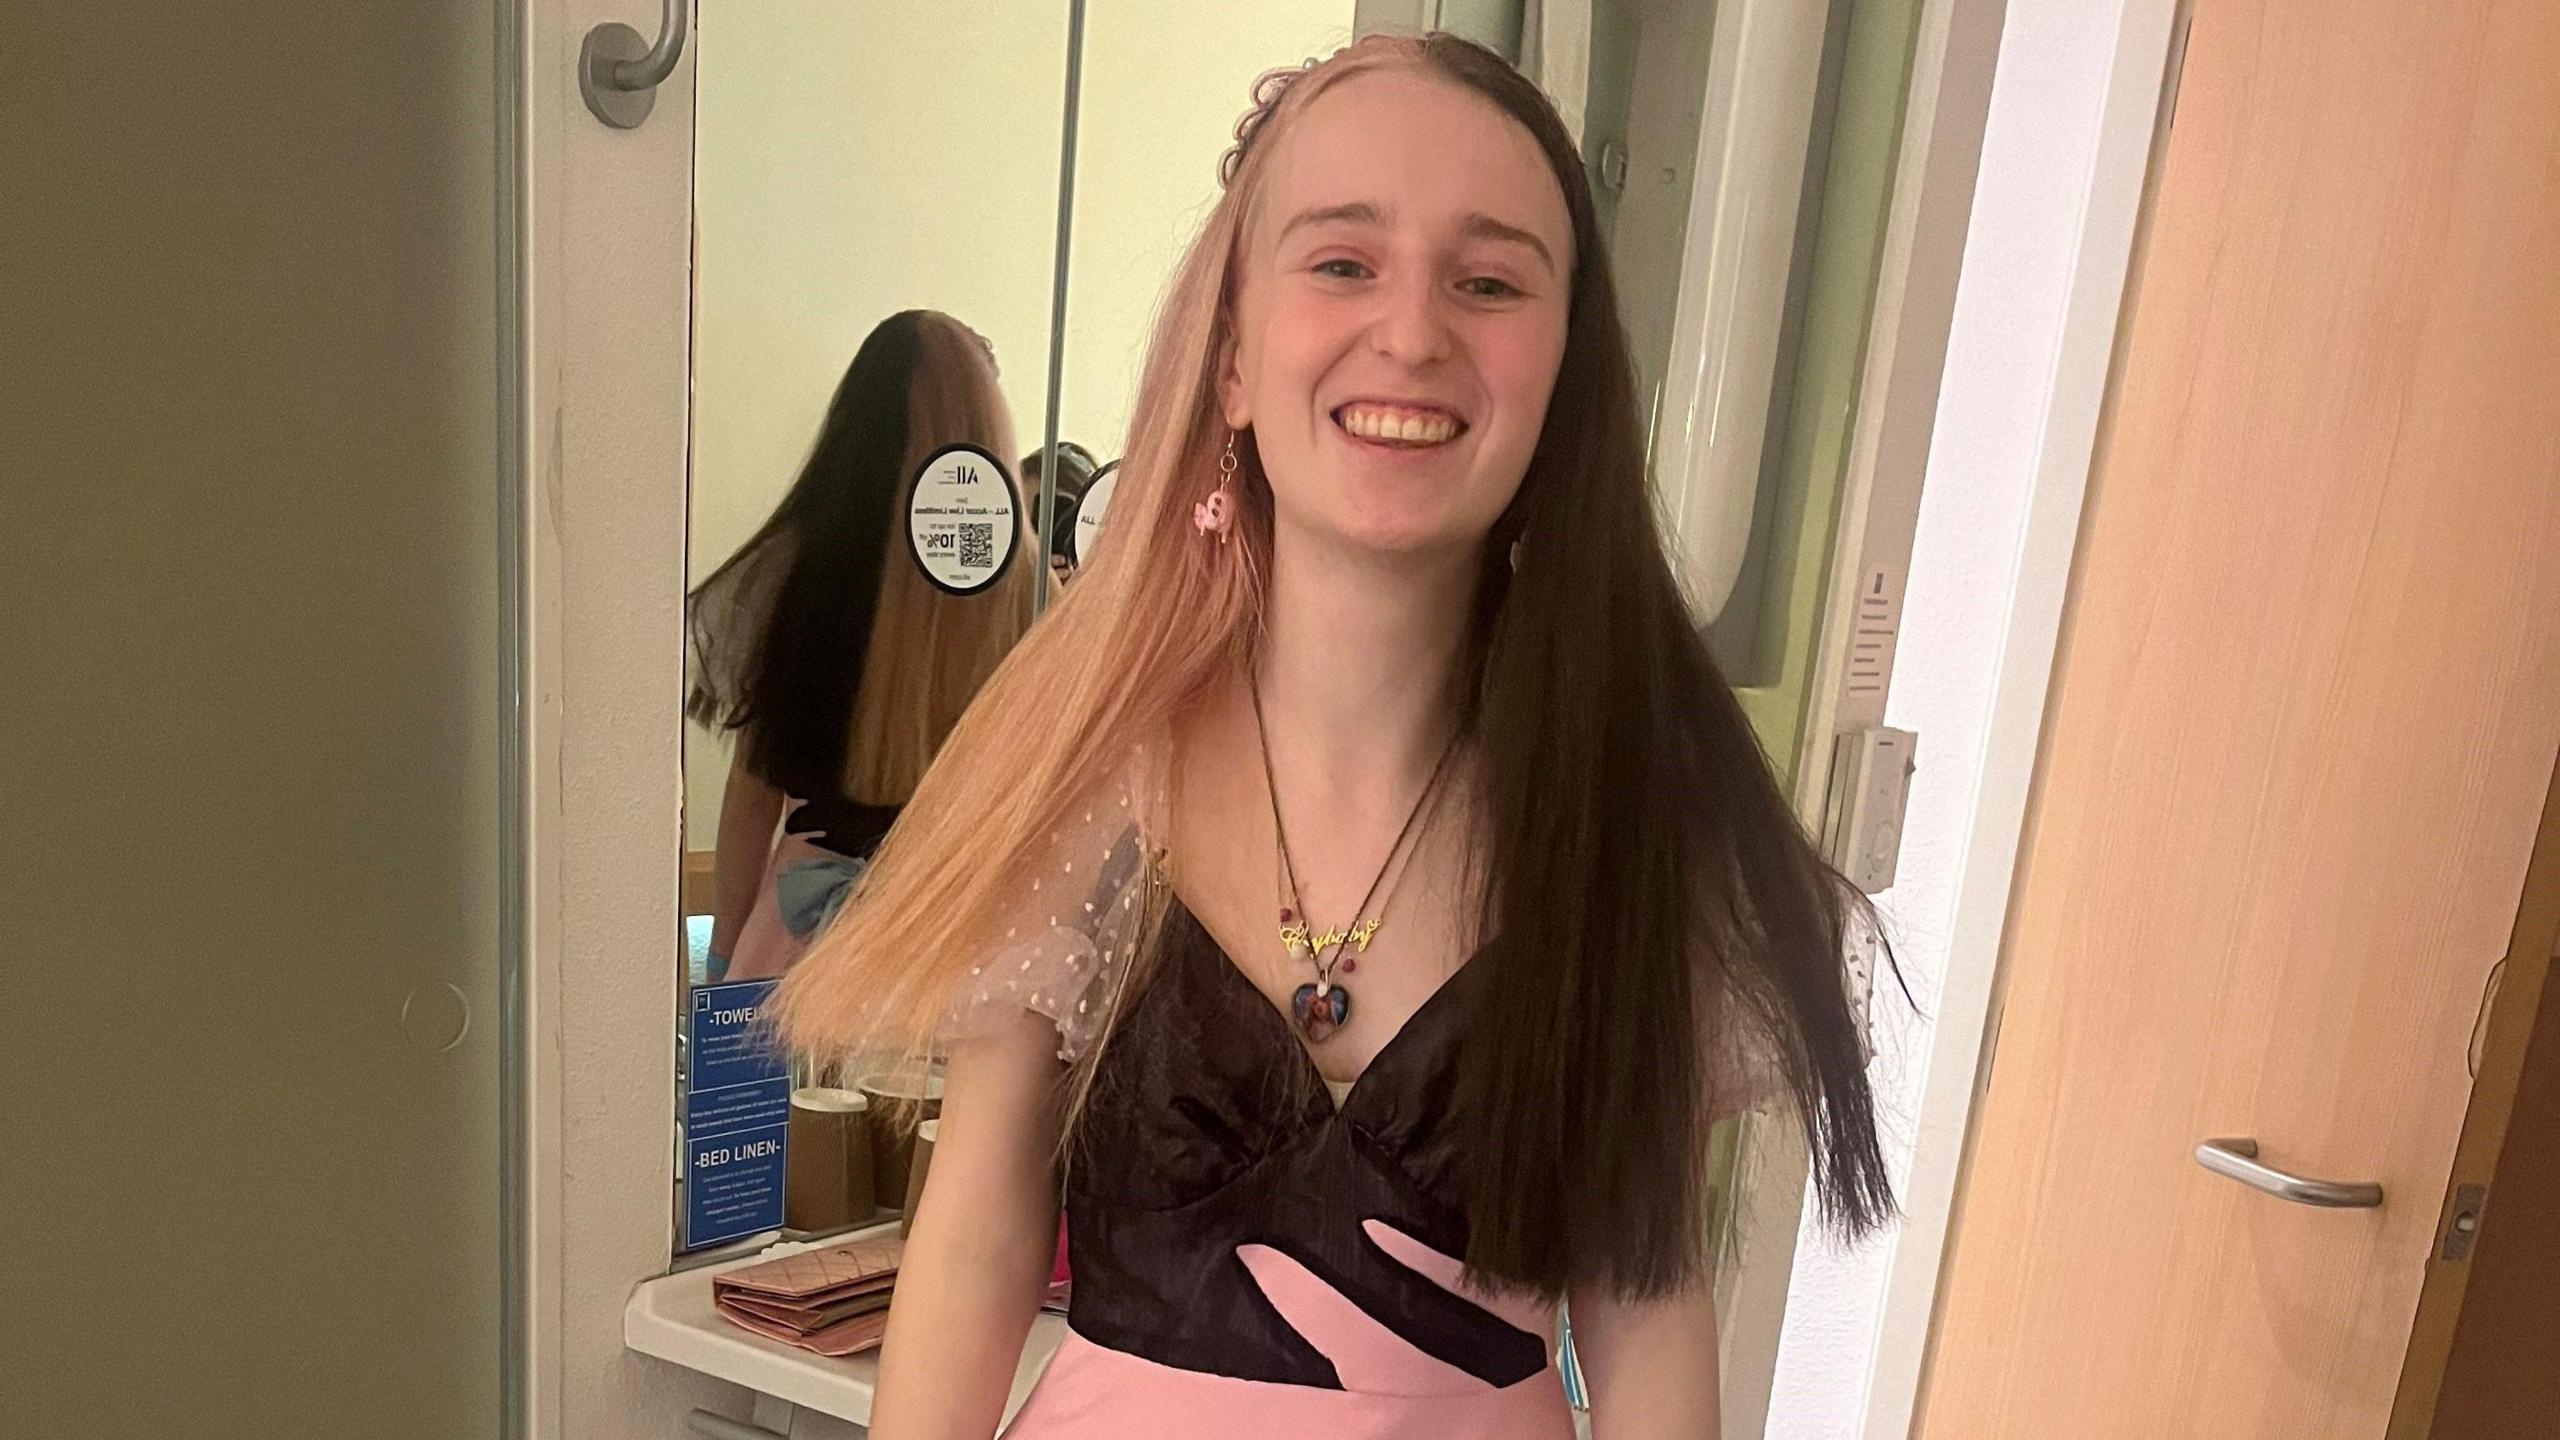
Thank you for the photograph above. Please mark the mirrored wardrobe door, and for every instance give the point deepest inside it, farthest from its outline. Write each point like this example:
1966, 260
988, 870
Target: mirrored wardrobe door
260, 785
875, 268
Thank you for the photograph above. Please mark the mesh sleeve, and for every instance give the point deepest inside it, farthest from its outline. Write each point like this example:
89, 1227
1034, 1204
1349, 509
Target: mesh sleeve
1070, 934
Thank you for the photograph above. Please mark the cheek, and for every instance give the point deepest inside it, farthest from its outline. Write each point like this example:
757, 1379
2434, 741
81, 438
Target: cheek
1296, 343
1520, 369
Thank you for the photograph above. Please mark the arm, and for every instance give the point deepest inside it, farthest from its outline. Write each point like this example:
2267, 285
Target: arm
986, 1232
750, 811
1649, 1366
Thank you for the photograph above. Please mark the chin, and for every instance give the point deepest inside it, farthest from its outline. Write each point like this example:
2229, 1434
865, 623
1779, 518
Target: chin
1416, 537
1410, 515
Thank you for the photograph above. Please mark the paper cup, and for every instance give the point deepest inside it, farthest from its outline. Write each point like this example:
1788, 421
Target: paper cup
899, 1100
923, 1161
827, 1178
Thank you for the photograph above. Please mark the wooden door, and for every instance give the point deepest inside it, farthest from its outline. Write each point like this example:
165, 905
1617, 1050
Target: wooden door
2305, 714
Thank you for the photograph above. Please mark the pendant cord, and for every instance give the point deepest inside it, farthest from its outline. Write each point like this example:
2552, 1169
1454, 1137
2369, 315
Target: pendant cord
1280, 833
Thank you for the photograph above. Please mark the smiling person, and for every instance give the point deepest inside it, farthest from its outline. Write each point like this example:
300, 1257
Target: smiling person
1356, 899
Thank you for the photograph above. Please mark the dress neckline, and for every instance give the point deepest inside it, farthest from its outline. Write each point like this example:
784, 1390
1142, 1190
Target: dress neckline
1275, 1021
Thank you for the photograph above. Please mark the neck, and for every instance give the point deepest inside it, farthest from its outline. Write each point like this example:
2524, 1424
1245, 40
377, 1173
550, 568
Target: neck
1358, 665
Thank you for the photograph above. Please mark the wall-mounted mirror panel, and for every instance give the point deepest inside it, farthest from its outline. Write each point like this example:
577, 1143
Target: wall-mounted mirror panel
875, 222
854, 164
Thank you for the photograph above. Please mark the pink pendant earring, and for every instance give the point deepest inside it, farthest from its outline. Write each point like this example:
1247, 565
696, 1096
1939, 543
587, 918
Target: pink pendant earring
1217, 514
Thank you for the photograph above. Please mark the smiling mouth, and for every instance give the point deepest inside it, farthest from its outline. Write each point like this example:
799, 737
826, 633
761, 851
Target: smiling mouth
1402, 427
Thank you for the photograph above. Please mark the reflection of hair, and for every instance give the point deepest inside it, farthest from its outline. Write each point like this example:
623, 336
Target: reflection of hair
1074, 461
784, 632
1641, 866
1075, 476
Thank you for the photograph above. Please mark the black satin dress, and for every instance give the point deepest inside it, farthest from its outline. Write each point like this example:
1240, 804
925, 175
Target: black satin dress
1226, 1220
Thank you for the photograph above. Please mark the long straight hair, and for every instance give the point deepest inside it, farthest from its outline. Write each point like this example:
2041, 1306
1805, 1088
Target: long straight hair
1647, 892
785, 631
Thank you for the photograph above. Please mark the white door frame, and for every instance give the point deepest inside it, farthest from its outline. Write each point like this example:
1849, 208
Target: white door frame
2073, 112
606, 285
2088, 300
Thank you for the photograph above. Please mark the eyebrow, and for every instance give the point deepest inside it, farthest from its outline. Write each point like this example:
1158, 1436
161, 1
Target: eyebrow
1479, 226
1484, 227
1358, 212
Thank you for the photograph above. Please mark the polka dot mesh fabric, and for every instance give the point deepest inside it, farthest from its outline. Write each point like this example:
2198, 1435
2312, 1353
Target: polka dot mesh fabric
1066, 945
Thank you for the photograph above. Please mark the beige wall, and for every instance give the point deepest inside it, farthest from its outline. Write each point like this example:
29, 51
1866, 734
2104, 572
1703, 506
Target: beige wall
1164, 83
853, 161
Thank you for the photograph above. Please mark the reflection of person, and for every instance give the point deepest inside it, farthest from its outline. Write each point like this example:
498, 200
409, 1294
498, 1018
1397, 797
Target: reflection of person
1057, 524
1381, 649
839, 667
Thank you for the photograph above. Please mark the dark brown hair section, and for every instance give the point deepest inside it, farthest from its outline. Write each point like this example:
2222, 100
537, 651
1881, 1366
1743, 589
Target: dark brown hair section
1647, 885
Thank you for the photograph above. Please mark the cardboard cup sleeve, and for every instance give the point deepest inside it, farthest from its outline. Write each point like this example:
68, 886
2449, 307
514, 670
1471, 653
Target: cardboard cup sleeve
900, 1099
827, 1183
925, 1134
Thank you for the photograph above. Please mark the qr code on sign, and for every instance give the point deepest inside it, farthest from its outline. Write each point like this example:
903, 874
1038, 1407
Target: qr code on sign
978, 544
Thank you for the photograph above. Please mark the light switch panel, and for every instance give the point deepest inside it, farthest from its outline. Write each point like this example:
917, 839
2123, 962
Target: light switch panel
1871, 773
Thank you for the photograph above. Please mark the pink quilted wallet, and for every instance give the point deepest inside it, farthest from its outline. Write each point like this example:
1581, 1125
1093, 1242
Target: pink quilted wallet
833, 1301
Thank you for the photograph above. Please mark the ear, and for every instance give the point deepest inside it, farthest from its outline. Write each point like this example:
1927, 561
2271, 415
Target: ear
1232, 404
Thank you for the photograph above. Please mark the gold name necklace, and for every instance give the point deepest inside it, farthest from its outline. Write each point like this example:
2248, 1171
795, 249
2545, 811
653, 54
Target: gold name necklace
1322, 1006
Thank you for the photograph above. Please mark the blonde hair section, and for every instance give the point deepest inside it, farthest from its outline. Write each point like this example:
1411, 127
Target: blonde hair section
1085, 702
930, 651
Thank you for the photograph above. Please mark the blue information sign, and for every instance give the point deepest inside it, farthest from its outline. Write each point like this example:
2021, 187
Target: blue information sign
737, 1113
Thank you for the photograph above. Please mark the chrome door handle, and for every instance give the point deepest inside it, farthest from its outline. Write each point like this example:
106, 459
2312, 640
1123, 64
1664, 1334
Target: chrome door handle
2238, 1160
619, 73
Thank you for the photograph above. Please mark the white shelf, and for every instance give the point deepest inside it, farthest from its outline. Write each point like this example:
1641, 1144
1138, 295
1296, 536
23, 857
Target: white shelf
671, 1318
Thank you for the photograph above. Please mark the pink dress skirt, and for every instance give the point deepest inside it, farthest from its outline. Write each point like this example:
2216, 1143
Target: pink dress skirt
1091, 1393
1390, 1389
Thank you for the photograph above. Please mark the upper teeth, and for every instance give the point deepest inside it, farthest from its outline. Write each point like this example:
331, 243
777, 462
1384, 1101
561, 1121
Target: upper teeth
1427, 427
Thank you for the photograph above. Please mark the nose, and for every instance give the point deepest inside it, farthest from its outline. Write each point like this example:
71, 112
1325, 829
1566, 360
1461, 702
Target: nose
1412, 325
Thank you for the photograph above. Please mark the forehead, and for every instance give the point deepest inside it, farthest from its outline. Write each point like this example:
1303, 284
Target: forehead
1428, 152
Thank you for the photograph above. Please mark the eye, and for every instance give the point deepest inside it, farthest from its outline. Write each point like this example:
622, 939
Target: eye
1486, 287
1340, 269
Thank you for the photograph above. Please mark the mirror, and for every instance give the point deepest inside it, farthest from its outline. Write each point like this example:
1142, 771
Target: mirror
852, 206
875, 219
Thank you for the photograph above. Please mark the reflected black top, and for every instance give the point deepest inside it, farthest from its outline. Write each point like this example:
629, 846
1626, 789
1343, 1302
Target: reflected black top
1209, 1127
841, 824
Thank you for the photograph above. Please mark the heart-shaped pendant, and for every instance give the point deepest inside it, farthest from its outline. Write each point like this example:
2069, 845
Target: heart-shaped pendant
1320, 1014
